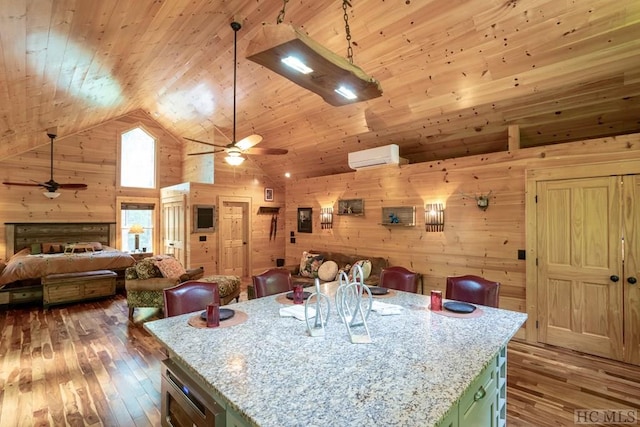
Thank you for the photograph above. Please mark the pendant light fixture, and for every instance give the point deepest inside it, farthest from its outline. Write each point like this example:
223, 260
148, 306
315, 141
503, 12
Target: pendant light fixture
234, 157
292, 54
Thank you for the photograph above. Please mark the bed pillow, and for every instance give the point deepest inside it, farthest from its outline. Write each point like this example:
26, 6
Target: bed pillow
309, 264
147, 270
170, 268
52, 248
366, 269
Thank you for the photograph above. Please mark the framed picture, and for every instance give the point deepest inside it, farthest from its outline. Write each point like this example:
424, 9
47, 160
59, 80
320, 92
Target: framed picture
268, 194
305, 224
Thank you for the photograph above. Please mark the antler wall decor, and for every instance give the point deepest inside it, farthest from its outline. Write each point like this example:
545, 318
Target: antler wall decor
482, 201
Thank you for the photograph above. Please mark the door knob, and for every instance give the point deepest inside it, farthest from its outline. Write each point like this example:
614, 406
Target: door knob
631, 280
614, 278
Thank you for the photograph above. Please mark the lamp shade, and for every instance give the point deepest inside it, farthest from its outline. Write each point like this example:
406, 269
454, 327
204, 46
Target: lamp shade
294, 55
136, 229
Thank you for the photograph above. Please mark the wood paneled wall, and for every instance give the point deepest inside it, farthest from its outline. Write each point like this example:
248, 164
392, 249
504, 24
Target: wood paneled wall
474, 241
91, 157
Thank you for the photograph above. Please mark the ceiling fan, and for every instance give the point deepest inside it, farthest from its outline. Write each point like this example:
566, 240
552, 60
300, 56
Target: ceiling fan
235, 149
51, 186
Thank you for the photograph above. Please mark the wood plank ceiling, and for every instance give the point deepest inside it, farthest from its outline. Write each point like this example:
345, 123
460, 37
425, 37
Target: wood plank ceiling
455, 74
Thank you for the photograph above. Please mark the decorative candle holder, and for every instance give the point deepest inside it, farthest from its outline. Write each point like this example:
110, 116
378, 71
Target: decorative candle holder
352, 308
323, 306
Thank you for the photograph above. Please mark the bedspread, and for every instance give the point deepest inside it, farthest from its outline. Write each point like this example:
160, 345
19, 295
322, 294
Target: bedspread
23, 265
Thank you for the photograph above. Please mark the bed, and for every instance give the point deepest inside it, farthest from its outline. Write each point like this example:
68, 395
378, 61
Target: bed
44, 249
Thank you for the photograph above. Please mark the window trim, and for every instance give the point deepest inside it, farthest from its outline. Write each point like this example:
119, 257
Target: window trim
156, 217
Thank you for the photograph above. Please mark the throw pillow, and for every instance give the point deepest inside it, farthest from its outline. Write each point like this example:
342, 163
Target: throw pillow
52, 248
344, 270
327, 271
2, 266
170, 268
147, 270
36, 249
365, 264
309, 264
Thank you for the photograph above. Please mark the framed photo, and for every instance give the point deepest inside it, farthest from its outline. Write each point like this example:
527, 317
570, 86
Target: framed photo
305, 224
268, 194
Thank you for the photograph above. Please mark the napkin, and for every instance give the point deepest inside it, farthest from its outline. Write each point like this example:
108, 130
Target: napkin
386, 309
296, 311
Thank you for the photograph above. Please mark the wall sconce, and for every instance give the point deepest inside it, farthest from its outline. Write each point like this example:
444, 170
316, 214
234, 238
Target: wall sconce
434, 217
326, 218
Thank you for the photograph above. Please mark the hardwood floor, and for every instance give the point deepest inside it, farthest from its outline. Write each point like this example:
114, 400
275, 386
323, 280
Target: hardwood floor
86, 364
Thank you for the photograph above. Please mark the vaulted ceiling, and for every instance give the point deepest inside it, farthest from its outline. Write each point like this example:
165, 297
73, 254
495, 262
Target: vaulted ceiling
455, 74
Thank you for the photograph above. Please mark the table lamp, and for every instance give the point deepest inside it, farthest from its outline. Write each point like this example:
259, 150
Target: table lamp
137, 230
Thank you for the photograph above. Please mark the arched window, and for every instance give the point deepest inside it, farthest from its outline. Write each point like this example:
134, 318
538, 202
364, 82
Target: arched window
137, 159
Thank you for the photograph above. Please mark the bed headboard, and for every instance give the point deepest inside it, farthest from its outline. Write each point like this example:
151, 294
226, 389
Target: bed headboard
23, 235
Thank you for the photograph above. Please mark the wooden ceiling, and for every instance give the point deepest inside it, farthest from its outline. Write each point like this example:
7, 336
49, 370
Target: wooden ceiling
455, 74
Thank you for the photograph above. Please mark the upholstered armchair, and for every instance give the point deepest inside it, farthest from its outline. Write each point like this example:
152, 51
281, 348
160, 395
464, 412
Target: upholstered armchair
473, 289
144, 283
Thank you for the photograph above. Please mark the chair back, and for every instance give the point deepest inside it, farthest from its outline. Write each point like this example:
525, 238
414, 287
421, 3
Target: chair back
399, 278
272, 281
189, 296
473, 289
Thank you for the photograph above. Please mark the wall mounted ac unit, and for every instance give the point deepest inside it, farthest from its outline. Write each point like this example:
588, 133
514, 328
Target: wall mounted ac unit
385, 155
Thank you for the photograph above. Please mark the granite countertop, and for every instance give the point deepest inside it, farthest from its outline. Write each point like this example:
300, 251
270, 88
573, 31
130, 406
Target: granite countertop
417, 366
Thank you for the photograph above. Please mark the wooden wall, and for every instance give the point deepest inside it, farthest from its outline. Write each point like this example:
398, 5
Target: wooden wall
91, 157
474, 241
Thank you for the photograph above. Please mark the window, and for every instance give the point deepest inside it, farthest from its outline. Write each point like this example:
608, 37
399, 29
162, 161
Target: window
137, 159
133, 215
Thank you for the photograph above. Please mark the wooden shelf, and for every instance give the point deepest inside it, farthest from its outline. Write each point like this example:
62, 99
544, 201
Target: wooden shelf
353, 207
406, 216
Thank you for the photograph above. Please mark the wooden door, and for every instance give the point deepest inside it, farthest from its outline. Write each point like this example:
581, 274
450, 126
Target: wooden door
174, 227
234, 237
579, 251
631, 221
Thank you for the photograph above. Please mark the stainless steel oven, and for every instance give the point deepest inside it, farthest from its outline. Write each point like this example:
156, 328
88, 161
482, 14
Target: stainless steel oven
185, 403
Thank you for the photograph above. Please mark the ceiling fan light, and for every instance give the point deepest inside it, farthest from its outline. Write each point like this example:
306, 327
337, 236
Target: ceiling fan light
234, 159
51, 194
297, 64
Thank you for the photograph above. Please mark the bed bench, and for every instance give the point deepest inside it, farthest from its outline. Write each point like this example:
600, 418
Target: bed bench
71, 287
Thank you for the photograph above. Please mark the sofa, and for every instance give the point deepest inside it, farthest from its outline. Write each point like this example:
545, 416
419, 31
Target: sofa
146, 280
312, 261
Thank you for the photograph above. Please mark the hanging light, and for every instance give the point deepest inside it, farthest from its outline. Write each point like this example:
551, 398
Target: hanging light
234, 158
51, 194
295, 56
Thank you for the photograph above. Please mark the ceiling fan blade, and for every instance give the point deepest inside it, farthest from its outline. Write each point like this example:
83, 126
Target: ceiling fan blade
248, 142
205, 143
72, 186
260, 150
25, 184
204, 152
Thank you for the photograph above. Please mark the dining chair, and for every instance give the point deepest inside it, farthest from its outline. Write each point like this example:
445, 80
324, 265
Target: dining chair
473, 289
272, 281
189, 296
399, 278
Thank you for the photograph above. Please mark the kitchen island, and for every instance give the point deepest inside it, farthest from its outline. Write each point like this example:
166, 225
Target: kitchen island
419, 370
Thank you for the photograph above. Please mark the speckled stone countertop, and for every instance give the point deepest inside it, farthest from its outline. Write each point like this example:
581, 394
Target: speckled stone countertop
273, 374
